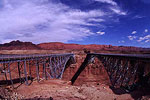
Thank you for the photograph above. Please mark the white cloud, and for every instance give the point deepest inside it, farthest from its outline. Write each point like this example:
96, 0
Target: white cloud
96, 20
134, 32
121, 41
132, 37
147, 41
100, 33
145, 38
117, 10
138, 16
146, 30
44, 21
107, 1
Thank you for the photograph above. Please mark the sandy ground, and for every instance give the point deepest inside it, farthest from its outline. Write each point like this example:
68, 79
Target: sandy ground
62, 90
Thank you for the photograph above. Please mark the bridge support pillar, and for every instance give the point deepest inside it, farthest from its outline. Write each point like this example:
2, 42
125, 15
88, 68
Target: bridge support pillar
37, 71
25, 73
9, 71
4, 65
19, 72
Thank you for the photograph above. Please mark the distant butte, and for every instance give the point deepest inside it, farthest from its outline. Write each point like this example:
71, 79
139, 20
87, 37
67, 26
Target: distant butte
19, 45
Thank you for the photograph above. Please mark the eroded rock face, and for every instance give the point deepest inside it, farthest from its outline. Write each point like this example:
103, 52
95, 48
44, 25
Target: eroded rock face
94, 72
93, 47
18, 45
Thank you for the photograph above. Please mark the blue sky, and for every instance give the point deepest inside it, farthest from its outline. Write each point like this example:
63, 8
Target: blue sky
111, 22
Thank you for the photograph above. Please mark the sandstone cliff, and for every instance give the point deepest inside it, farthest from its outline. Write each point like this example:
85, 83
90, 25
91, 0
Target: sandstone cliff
18, 45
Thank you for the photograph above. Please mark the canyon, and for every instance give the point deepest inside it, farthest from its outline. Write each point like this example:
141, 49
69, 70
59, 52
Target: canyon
93, 78
19, 45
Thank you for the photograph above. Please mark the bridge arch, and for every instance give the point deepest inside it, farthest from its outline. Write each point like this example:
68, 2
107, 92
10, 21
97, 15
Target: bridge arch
50, 65
124, 70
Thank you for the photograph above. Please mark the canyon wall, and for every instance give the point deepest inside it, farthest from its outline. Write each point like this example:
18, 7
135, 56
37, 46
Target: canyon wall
93, 73
19, 45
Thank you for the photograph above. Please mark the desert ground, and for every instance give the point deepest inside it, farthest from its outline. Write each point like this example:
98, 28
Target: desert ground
92, 84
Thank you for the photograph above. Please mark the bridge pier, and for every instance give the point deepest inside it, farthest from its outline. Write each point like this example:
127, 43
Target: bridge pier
4, 65
29, 65
9, 71
19, 71
44, 70
25, 73
37, 71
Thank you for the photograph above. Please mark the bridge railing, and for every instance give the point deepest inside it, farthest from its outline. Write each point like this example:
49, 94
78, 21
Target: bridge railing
16, 57
144, 57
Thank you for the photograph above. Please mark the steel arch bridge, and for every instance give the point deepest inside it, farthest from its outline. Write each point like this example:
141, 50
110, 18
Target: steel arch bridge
53, 65
124, 70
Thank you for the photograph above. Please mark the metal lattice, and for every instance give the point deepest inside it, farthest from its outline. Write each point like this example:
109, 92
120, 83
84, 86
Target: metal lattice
124, 70
51, 66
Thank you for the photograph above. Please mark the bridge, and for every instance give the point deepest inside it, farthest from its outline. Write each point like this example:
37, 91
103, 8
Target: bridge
51, 65
124, 70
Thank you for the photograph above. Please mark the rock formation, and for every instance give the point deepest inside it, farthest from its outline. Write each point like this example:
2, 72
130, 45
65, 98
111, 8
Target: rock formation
18, 45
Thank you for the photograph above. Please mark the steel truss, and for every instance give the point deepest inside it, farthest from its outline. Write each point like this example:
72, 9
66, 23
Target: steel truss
124, 70
52, 66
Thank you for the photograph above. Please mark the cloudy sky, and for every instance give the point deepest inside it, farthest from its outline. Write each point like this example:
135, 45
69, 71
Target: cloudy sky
115, 22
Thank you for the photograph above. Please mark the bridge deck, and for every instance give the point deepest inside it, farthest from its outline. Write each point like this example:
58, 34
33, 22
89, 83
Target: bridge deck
16, 57
134, 56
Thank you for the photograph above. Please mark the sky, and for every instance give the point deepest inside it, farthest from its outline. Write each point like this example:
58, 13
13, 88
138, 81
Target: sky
109, 22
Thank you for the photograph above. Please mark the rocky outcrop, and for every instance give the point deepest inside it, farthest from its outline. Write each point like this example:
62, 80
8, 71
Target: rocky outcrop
60, 46
93, 47
18, 45
93, 73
